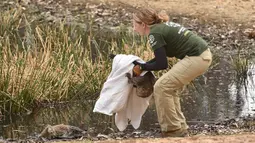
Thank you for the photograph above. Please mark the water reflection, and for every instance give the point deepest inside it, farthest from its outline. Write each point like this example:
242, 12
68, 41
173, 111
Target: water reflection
210, 99
243, 92
220, 96
223, 96
73, 114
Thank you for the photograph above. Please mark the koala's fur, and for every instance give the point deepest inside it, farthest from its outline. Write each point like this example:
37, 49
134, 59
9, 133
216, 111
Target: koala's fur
144, 84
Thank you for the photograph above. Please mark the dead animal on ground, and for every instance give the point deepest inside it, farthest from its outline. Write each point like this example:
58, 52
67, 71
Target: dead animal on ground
144, 84
61, 131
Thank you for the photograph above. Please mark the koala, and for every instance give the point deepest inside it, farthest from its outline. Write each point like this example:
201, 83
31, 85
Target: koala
144, 84
61, 131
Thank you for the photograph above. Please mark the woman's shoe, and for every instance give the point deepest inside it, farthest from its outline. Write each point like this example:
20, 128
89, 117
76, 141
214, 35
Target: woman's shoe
176, 133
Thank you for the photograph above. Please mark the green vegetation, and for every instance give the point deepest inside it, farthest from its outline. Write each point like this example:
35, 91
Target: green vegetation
241, 64
43, 62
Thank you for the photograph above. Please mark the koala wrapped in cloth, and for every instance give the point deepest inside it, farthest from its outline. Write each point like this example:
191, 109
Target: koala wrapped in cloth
144, 84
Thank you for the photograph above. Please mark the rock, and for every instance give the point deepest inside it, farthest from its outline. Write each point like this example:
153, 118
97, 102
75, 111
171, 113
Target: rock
102, 136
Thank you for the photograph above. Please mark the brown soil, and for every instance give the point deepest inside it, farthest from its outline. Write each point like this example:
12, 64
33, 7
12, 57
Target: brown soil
244, 138
236, 11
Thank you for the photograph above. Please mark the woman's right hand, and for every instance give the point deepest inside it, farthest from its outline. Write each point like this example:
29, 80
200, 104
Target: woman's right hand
137, 70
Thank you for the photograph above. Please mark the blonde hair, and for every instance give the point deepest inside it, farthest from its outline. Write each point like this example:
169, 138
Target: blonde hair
149, 16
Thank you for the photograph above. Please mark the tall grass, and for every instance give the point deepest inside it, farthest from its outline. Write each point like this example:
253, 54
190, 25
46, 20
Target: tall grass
42, 62
241, 64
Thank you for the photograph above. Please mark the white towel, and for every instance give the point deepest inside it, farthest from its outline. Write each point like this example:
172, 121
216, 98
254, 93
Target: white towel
118, 96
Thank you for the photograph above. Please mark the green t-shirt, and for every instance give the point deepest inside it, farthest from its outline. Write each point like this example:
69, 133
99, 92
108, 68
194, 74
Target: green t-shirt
177, 40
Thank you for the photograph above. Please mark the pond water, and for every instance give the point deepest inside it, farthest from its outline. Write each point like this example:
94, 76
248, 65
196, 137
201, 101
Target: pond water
216, 96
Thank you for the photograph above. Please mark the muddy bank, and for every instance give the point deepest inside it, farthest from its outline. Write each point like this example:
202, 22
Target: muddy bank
238, 138
197, 128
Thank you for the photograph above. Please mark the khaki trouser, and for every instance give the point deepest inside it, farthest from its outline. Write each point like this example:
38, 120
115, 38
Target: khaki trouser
167, 87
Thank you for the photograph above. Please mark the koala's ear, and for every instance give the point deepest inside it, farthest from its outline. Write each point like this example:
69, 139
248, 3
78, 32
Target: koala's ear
112, 56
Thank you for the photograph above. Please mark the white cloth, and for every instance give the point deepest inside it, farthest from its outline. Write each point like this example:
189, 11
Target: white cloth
118, 96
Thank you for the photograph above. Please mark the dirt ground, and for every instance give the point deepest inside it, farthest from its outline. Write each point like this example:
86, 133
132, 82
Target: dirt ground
234, 11
244, 138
